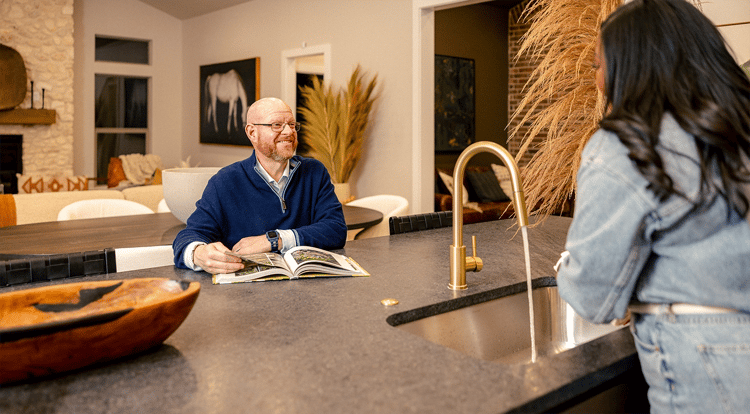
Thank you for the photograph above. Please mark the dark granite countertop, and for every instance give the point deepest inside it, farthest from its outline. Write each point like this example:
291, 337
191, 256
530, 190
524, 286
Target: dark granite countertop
323, 345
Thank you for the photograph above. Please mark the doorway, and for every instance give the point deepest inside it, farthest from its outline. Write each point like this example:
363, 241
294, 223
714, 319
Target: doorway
299, 67
423, 94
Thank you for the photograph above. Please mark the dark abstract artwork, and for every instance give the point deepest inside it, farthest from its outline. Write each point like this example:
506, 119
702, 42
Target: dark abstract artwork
454, 103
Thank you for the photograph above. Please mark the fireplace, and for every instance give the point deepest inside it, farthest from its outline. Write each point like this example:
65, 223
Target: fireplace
11, 161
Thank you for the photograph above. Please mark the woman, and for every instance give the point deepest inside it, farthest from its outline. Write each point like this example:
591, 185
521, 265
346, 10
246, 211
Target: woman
660, 224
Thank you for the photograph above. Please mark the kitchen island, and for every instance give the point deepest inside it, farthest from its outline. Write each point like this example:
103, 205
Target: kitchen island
324, 346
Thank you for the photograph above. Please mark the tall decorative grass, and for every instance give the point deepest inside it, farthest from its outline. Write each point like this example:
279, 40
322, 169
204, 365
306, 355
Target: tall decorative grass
561, 41
336, 123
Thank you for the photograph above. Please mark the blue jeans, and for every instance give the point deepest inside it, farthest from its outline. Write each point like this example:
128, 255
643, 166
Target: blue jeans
695, 363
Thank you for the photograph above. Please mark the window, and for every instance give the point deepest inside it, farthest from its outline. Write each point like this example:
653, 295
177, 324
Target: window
121, 119
121, 102
109, 49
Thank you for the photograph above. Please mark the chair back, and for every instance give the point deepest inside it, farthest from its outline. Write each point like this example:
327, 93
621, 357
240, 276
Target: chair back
163, 207
419, 222
97, 208
389, 205
135, 258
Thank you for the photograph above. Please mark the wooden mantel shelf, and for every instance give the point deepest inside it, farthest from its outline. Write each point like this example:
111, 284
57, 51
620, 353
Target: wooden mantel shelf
28, 116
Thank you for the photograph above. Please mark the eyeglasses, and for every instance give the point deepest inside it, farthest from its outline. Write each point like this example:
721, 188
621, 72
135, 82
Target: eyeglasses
279, 126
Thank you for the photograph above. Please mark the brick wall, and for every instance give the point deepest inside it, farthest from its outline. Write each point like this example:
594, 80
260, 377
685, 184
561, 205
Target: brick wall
42, 32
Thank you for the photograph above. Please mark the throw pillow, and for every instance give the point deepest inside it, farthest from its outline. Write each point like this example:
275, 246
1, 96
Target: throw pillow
503, 177
51, 184
115, 172
30, 183
448, 181
487, 187
75, 182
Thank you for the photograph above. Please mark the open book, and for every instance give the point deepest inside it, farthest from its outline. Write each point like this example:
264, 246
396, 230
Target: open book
298, 262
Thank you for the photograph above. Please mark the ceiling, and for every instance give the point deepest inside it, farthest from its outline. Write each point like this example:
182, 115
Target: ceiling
185, 9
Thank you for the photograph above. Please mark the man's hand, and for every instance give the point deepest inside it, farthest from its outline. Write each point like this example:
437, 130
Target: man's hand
211, 258
254, 244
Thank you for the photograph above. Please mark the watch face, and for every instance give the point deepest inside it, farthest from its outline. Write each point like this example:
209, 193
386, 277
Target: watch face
272, 234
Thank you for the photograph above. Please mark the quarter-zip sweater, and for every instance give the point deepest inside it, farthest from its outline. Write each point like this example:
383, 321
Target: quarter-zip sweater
237, 202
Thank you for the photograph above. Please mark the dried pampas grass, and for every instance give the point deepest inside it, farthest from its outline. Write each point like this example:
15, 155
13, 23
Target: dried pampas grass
336, 122
560, 98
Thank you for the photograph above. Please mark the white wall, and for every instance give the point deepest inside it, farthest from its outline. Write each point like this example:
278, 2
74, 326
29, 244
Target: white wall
733, 19
135, 20
373, 33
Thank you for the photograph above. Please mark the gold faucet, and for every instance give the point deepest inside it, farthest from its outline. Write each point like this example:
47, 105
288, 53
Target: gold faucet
458, 260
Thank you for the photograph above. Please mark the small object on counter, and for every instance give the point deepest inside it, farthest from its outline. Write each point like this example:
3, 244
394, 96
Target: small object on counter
54, 329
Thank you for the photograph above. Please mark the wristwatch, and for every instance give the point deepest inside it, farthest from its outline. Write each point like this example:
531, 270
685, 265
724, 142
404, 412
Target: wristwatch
273, 237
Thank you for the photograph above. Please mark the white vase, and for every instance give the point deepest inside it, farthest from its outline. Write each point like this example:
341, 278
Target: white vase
343, 191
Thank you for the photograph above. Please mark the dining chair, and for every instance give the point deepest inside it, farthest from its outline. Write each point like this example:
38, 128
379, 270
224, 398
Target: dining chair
389, 205
419, 222
163, 207
16, 269
134, 258
97, 208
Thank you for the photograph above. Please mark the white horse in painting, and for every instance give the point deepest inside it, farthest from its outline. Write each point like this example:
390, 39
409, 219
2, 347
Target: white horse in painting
227, 88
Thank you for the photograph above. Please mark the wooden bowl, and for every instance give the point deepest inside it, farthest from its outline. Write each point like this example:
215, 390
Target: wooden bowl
12, 78
54, 329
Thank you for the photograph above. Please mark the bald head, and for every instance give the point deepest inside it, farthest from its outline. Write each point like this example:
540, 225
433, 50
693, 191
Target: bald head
264, 107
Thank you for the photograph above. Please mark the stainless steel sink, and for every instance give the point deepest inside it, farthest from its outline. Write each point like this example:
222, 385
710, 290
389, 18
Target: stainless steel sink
498, 330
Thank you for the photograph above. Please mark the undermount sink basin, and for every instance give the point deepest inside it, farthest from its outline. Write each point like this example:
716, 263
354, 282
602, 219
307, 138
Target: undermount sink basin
498, 330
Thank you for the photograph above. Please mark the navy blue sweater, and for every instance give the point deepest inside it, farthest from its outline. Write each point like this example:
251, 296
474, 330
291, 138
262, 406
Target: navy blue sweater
238, 203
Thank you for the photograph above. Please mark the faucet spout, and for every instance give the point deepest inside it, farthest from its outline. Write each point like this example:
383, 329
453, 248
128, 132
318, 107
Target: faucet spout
457, 249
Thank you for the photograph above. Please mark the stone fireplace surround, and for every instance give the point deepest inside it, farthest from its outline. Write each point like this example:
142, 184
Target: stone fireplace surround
42, 32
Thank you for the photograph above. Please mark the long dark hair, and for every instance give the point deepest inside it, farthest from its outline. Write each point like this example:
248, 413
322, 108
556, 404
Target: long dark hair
666, 56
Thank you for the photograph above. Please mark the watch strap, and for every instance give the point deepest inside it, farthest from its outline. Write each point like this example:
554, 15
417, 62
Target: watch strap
273, 240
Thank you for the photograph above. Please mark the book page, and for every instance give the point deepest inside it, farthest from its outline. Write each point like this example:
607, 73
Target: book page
308, 262
265, 259
259, 262
302, 255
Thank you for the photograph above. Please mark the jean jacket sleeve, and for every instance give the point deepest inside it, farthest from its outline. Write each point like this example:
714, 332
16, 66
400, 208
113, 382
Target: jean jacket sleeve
607, 241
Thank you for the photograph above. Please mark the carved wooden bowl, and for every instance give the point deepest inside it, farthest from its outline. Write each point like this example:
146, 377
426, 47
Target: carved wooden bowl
54, 329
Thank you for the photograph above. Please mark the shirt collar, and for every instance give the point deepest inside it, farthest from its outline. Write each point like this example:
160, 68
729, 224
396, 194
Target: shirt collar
268, 177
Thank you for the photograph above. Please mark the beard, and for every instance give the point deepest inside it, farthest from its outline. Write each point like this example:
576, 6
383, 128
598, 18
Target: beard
278, 150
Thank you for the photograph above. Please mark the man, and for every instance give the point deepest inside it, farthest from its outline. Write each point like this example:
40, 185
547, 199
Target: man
272, 201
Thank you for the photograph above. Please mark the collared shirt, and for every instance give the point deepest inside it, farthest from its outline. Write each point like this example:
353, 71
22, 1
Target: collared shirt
287, 236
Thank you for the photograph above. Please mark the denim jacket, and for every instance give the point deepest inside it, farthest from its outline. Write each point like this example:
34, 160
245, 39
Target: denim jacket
625, 245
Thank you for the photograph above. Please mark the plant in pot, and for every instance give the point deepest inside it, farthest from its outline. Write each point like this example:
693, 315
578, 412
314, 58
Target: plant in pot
336, 125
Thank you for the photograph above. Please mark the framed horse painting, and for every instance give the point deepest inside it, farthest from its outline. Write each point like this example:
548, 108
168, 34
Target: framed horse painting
226, 91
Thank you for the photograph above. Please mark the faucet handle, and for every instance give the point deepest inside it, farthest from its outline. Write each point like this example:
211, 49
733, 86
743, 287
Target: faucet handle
474, 263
